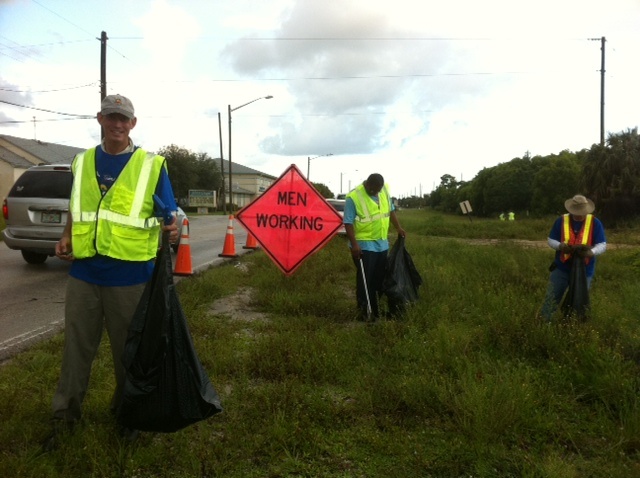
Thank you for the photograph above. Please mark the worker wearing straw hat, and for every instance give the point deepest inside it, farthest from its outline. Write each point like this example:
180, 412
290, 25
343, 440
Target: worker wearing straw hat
575, 235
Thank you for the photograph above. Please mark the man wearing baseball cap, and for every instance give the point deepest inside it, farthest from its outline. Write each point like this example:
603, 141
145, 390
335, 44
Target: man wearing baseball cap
111, 239
577, 235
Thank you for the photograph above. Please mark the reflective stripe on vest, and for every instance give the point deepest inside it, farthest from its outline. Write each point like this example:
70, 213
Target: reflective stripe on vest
584, 236
120, 224
372, 220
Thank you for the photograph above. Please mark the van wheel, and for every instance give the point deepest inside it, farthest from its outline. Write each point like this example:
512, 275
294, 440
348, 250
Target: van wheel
34, 257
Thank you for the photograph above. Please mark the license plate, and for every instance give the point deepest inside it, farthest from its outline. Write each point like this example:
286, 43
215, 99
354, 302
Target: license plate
51, 217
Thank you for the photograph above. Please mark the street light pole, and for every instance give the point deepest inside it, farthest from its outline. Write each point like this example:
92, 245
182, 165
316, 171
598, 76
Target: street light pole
309, 158
230, 110
354, 171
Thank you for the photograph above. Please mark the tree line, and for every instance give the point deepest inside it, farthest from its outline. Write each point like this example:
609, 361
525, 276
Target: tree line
608, 174
190, 170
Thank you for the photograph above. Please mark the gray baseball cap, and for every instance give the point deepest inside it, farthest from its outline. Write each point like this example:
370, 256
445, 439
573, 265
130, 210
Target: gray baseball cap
117, 104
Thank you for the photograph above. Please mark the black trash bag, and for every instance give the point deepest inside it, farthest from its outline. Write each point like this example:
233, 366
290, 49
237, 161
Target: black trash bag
166, 387
576, 300
402, 279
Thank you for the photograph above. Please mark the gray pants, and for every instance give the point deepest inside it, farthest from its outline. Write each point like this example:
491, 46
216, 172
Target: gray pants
88, 309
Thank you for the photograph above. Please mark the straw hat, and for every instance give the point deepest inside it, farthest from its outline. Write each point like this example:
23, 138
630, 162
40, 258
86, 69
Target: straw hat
579, 205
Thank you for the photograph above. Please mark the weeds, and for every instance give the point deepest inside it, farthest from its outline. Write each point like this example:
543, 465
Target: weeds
467, 383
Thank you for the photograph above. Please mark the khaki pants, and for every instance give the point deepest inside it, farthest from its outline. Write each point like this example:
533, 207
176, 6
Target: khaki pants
88, 309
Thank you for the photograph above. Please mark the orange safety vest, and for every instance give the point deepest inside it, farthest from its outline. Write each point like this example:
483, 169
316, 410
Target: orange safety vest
583, 237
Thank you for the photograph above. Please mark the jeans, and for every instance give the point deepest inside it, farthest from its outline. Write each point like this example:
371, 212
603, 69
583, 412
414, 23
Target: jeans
558, 284
375, 267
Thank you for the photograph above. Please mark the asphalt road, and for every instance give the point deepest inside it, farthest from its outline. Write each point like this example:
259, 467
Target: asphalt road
32, 296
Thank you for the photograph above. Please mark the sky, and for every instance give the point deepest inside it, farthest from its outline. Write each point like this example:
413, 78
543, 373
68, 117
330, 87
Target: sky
410, 89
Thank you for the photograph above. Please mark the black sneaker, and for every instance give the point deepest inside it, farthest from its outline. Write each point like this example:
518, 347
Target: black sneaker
59, 429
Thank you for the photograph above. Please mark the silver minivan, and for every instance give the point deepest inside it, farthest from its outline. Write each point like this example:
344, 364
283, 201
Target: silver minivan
36, 209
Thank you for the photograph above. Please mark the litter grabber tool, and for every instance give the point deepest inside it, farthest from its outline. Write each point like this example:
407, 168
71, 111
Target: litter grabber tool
166, 212
366, 289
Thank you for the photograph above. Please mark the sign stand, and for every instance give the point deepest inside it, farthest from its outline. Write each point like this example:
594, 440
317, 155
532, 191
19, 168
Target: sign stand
466, 209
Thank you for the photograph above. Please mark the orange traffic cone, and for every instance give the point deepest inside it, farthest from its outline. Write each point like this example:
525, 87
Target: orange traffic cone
229, 249
251, 242
183, 261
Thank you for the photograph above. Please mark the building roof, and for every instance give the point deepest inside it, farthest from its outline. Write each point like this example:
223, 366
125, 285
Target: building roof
240, 169
14, 159
48, 153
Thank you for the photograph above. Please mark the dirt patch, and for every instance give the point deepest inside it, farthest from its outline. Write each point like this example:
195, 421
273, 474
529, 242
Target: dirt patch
237, 306
526, 243
520, 242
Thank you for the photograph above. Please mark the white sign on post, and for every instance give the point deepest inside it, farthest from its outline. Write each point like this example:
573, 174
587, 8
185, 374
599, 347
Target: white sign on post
202, 198
466, 207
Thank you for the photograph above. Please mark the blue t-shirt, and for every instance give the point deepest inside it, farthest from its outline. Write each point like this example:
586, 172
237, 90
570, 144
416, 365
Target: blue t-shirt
107, 271
379, 245
596, 238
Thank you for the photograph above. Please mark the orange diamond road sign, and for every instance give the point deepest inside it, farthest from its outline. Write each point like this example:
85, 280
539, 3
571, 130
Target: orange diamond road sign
291, 220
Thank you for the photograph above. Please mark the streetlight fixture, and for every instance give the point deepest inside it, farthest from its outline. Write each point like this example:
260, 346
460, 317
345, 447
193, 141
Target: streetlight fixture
230, 175
309, 158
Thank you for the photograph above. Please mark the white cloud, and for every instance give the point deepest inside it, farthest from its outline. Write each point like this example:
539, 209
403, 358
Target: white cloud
167, 32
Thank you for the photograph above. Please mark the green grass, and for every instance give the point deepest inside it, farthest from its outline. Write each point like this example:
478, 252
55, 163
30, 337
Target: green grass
467, 383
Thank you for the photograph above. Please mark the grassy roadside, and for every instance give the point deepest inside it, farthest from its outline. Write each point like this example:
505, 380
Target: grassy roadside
468, 383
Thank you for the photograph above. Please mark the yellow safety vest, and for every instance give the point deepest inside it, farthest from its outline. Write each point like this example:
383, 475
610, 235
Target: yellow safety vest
121, 223
372, 219
584, 236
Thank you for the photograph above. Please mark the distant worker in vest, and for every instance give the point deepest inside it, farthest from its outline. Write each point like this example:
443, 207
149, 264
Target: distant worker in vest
578, 235
111, 238
367, 213
512, 216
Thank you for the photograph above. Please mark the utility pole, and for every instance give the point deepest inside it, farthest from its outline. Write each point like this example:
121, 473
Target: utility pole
230, 177
223, 198
309, 158
103, 71
602, 72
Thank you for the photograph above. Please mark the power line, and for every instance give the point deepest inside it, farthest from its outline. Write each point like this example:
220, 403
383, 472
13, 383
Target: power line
311, 78
12, 57
35, 45
48, 91
381, 39
77, 26
46, 119
46, 111
60, 16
